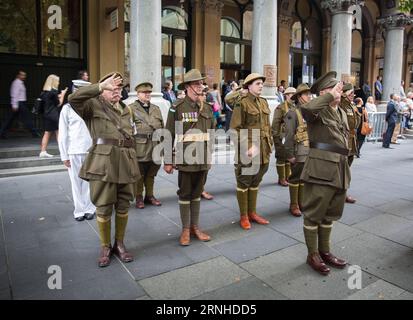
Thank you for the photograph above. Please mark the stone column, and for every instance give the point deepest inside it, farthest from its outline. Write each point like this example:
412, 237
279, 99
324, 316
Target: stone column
285, 23
341, 28
393, 54
146, 49
264, 46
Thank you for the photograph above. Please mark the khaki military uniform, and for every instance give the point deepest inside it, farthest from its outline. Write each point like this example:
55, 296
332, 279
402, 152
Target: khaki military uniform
297, 145
147, 121
250, 113
354, 121
278, 133
196, 120
111, 165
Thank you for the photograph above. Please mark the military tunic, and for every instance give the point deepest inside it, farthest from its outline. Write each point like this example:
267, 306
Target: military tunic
354, 121
191, 138
111, 169
278, 130
296, 143
326, 173
147, 121
251, 113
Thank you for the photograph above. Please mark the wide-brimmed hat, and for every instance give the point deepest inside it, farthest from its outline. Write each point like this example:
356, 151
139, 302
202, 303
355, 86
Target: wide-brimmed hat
251, 78
118, 74
302, 88
290, 90
324, 82
144, 87
191, 76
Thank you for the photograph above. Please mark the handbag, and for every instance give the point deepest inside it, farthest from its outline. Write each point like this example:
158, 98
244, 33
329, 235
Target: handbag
38, 106
366, 129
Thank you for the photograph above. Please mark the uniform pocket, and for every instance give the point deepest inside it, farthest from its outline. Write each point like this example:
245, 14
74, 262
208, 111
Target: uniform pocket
133, 163
103, 125
98, 159
252, 115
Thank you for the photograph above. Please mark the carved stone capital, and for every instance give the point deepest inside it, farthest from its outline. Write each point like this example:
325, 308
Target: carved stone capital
285, 21
336, 6
396, 21
212, 6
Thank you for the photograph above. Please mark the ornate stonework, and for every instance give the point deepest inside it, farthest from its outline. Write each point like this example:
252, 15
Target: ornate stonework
285, 21
340, 5
213, 6
395, 21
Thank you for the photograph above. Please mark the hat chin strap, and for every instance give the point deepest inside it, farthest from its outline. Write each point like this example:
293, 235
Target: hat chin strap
195, 93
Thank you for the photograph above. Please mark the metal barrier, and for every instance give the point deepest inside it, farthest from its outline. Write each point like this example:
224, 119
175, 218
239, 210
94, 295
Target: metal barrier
377, 120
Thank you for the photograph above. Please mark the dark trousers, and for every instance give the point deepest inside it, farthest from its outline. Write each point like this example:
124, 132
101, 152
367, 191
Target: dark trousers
389, 134
228, 116
23, 114
191, 185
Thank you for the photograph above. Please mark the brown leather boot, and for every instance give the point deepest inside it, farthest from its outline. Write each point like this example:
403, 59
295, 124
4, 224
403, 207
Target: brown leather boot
120, 250
350, 200
104, 257
332, 260
315, 262
185, 239
201, 236
152, 201
245, 222
254, 217
295, 210
139, 202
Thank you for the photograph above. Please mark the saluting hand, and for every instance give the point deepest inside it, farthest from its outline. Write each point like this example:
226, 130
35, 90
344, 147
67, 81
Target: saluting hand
337, 92
111, 83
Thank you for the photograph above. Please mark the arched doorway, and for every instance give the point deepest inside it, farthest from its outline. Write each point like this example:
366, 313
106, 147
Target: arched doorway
305, 44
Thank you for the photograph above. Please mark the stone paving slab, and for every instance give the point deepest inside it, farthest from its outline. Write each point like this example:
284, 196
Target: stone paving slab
248, 289
379, 290
194, 280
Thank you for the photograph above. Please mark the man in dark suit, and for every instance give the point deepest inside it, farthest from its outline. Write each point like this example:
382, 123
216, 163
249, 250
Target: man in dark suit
391, 119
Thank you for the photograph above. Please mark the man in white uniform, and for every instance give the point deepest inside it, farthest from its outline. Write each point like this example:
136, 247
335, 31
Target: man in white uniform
74, 142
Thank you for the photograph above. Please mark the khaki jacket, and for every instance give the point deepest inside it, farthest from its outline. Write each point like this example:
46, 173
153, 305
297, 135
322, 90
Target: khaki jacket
254, 113
296, 144
196, 122
326, 125
354, 121
107, 163
146, 124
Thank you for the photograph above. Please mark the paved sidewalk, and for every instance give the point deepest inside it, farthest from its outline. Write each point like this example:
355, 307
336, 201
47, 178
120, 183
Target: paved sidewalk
268, 262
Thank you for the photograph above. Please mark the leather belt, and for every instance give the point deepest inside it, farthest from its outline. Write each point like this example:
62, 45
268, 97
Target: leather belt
329, 147
144, 135
115, 142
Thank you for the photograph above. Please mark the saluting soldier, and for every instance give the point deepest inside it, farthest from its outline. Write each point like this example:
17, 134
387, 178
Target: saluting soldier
278, 133
111, 166
196, 119
326, 173
147, 118
297, 146
354, 121
252, 112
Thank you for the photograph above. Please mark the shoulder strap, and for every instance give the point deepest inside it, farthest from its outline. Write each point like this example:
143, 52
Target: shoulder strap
115, 122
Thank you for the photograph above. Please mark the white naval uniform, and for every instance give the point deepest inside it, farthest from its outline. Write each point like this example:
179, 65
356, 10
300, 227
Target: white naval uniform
74, 143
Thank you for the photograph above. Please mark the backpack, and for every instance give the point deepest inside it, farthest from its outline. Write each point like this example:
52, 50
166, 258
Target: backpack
38, 107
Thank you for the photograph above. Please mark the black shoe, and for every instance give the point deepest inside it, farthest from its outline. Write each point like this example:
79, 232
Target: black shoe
388, 147
80, 219
89, 216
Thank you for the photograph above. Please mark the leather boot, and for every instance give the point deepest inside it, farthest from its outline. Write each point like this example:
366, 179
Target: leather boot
254, 217
315, 262
332, 260
295, 210
120, 250
140, 203
350, 200
152, 201
104, 257
202, 236
245, 222
185, 237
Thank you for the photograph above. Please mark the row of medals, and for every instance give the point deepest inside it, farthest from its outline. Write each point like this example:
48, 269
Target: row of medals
190, 117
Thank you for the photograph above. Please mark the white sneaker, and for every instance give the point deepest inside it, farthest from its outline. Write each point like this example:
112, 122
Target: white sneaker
44, 154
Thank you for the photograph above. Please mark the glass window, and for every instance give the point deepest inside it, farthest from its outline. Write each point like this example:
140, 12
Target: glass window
357, 45
312, 35
18, 27
232, 53
229, 29
166, 45
296, 35
63, 42
174, 18
356, 72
